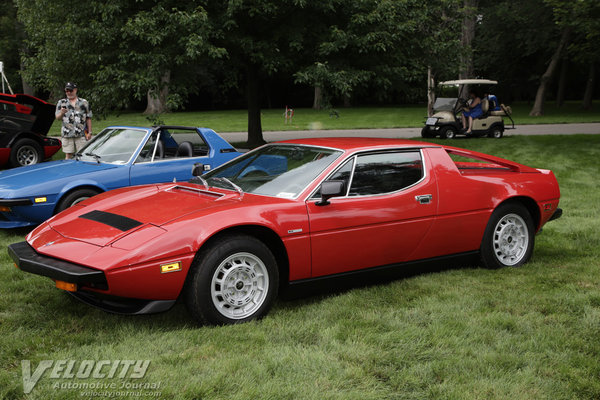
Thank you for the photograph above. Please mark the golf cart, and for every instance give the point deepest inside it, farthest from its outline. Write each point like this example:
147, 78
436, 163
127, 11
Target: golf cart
446, 120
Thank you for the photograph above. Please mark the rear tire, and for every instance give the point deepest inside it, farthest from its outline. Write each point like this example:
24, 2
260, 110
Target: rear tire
509, 237
75, 197
232, 281
447, 132
496, 133
26, 152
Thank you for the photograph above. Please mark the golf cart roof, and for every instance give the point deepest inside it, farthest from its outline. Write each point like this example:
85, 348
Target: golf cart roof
469, 82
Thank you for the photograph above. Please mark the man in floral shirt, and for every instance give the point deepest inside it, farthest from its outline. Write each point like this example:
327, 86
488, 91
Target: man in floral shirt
76, 117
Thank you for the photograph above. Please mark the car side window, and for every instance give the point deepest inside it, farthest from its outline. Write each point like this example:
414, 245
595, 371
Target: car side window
183, 143
385, 172
342, 174
146, 153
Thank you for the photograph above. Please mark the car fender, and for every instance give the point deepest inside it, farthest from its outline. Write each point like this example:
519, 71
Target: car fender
26, 135
79, 184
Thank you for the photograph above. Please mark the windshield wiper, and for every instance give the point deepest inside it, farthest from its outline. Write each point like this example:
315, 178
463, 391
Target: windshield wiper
96, 156
233, 185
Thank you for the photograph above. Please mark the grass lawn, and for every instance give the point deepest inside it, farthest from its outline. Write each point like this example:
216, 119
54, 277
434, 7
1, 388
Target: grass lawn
449, 333
350, 118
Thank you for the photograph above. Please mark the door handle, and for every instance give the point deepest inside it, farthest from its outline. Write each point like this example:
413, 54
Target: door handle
424, 198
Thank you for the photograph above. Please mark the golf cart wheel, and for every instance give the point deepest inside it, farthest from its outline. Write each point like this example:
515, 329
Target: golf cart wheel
447, 132
25, 152
496, 133
427, 133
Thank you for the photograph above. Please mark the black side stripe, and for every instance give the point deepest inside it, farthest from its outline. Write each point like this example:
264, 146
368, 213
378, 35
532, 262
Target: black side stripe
116, 221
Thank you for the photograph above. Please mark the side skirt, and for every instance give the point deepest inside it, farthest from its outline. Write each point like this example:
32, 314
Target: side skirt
377, 275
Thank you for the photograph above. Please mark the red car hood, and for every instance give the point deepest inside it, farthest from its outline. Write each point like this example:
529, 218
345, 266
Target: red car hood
109, 217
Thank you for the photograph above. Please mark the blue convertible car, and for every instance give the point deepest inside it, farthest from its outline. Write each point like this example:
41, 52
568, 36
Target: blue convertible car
118, 156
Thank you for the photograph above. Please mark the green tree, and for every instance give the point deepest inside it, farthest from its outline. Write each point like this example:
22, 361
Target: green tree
117, 49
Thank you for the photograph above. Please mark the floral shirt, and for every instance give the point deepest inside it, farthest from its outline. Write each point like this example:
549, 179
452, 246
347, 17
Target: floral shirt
73, 122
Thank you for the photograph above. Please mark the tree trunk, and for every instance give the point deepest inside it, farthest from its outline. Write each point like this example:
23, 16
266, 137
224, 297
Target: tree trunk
589, 88
27, 88
255, 136
562, 83
318, 99
157, 100
467, 36
347, 101
430, 92
538, 106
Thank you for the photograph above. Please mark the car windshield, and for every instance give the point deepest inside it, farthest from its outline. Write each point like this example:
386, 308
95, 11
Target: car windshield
279, 170
113, 146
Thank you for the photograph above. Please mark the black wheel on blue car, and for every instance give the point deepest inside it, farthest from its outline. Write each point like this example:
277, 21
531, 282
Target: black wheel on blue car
234, 279
25, 152
509, 237
75, 197
447, 132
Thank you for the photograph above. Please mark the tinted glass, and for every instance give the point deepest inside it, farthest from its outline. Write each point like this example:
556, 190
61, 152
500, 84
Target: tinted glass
275, 170
114, 146
385, 172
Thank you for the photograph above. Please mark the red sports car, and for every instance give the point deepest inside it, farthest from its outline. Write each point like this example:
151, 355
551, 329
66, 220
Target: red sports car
24, 125
289, 213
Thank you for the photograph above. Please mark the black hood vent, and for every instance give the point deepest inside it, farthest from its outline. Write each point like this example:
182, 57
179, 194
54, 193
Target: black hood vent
116, 221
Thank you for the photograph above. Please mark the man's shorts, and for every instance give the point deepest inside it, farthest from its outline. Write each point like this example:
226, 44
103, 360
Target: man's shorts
72, 145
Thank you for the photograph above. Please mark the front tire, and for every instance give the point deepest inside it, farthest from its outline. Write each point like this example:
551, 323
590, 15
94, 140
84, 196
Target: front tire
26, 152
232, 281
75, 197
509, 237
426, 132
447, 132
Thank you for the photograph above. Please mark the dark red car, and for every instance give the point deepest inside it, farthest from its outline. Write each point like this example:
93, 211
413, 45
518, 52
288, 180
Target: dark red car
285, 214
24, 123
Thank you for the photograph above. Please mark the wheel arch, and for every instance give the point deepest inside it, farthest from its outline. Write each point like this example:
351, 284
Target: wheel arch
26, 135
531, 206
266, 235
71, 188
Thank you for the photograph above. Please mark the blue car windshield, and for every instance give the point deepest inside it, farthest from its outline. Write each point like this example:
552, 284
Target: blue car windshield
113, 146
280, 170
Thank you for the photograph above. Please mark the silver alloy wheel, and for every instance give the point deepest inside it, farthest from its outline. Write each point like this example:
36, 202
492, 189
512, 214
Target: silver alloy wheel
239, 285
27, 155
511, 239
497, 133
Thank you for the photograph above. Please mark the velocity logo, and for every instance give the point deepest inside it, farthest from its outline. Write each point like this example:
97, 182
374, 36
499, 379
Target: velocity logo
70, 369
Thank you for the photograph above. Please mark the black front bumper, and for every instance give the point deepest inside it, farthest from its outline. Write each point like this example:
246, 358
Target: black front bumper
15, 202
27, 259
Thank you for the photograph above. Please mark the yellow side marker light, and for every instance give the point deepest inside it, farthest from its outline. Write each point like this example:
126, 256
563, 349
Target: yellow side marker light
68, 286
40, 199
171, 267
4, 209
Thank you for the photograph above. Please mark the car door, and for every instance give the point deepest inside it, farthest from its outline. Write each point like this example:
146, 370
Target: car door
389, 205
166, 159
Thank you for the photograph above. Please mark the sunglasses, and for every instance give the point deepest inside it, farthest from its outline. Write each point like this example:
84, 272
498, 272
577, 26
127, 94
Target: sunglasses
68, 90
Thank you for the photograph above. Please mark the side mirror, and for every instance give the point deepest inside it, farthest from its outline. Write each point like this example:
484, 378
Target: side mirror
198, 169
331, 189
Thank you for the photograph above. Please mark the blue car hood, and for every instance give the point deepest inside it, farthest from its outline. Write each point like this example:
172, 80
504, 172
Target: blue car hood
17, 178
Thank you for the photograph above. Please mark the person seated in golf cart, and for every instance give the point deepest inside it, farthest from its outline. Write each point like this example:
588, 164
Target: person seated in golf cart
494, 104
472, 111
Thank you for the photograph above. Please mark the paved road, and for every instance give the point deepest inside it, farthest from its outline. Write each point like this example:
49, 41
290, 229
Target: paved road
545, 129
